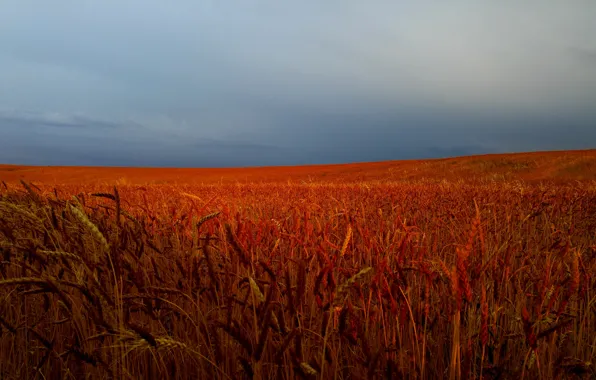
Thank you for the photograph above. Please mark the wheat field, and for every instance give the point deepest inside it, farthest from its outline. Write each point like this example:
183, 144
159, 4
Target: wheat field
363, 280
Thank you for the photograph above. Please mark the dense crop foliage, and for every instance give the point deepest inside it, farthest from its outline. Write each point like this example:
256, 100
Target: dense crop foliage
411, 280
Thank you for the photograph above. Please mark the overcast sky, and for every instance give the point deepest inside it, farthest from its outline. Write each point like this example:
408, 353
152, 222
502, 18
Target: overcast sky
246, 82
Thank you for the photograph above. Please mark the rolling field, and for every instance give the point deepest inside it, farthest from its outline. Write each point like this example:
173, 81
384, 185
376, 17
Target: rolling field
472, 267
535, 167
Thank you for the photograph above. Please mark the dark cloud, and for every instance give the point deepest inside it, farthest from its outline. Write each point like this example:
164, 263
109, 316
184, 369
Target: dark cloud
34, 139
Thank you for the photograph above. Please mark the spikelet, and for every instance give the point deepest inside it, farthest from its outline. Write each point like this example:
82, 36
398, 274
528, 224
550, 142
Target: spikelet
206, 218
143, 333
23, 281
549, 293
306, 368
532, 360
256, 291
191, 196
34, 196
464, 286
342, 290
455, 289
91, 227
275, 245
104, 195
131, 218
441, 268
344, 246
61, 254
170, 343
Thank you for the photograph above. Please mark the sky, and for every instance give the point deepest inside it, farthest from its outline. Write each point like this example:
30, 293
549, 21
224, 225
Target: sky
220, 83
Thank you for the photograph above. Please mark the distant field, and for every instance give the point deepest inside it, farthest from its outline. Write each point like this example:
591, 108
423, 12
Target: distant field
557, 166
